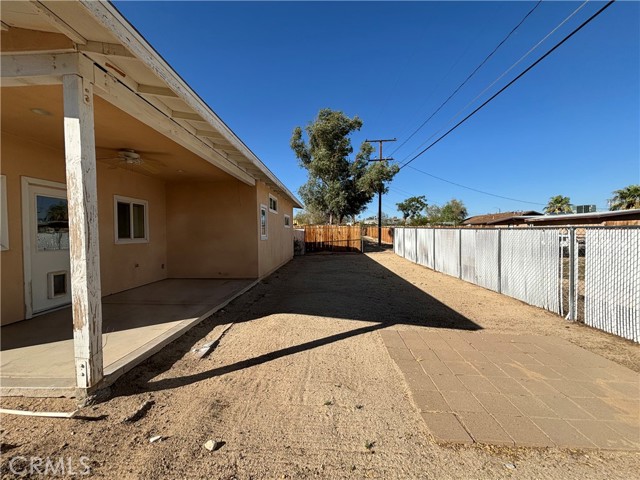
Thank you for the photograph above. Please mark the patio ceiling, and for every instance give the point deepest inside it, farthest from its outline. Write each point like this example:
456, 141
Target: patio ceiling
114, 130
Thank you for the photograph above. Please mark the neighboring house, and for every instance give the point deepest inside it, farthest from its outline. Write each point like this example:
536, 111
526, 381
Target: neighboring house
611, 218
157, 186
499, 219
532, 218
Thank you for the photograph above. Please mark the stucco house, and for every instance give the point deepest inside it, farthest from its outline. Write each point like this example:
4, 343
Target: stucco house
115, 175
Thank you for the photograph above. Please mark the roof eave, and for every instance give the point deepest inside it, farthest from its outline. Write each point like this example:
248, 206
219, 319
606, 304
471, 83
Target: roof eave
107, 15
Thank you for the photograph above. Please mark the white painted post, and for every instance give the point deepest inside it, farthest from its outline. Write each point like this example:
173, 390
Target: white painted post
82, 195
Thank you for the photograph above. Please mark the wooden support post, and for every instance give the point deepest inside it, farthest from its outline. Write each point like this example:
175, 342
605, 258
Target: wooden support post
82, 195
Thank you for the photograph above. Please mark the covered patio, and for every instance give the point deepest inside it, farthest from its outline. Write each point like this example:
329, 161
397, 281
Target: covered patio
127, 200
37, 355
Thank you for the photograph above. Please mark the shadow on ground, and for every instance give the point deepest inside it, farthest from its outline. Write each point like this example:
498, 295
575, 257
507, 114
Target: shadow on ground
346, 286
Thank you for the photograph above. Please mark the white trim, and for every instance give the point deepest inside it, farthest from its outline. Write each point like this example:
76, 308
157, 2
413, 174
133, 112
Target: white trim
4, 222
130, 201
287, 224
266, 222
27, 182
274, 198
50, 284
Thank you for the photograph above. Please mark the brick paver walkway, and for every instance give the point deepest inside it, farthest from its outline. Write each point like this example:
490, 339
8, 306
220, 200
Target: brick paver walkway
523, 390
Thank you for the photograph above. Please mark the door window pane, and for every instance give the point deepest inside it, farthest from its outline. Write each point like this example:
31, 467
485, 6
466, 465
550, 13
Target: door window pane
124, 220
53, 223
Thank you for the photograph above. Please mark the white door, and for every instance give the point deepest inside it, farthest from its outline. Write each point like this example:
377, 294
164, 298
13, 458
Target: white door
48, 246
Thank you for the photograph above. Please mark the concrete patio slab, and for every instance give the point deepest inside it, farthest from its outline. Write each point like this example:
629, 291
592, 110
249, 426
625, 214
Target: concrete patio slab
36, 356
522, 390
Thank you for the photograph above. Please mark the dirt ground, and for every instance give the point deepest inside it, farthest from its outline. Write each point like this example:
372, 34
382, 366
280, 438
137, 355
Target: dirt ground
302, 387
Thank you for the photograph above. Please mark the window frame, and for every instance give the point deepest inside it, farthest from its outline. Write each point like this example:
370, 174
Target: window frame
275, 201
131, 201
265, 209
287, 221
4, 222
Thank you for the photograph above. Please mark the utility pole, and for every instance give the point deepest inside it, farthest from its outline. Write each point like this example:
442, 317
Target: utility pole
381, 159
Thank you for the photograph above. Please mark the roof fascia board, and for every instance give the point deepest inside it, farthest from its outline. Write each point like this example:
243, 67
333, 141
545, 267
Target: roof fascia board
109, 17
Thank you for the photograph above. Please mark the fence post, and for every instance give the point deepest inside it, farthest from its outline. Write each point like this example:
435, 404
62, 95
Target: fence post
572, 269
459, 253
499, 260
433, 231
416, 242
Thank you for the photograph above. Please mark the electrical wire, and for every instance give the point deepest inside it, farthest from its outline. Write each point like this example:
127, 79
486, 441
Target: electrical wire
501, 76
524, 72
475, 189
486, 59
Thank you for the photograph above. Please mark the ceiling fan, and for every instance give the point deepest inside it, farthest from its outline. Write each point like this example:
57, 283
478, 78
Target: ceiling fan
130, 159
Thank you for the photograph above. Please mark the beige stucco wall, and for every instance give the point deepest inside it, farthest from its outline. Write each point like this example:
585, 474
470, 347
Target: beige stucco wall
128, 265
212, 230
21, 157
277, 249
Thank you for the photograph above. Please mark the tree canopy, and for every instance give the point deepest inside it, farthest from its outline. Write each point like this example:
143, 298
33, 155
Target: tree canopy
626, 198
338, 186
558, 204
413, 207
418, 212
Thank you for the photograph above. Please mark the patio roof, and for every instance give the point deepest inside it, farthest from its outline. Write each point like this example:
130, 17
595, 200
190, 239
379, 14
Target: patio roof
122, 56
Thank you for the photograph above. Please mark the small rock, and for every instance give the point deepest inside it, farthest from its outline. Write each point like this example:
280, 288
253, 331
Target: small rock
510, 466
213, 445
155, 438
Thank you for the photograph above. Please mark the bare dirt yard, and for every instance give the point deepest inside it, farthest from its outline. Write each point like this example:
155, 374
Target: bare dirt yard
302, 386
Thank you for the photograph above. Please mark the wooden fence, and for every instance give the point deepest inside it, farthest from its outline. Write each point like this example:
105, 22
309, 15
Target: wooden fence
333, 238
387, 233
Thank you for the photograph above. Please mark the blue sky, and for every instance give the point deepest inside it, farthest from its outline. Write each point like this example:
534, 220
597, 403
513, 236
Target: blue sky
571, 126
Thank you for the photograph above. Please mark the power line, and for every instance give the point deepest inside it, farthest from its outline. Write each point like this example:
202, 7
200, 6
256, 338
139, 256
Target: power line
468, 77
500, 77
475, 189
591, 18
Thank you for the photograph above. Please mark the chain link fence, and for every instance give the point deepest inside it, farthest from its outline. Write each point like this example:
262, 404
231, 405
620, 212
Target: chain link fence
589, 274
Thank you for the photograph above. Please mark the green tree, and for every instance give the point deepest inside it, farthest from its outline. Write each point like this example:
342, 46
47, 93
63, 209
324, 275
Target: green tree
626, 198
558, 204
412, 208
453, 211
338, 186
308, 217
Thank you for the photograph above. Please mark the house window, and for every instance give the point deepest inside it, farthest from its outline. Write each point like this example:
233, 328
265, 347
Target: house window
131, 220
273, 204
4, 224
263, 222
287, 221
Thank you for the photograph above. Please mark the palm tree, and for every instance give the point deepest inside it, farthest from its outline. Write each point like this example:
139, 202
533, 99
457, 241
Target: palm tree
626, 198
558, 204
